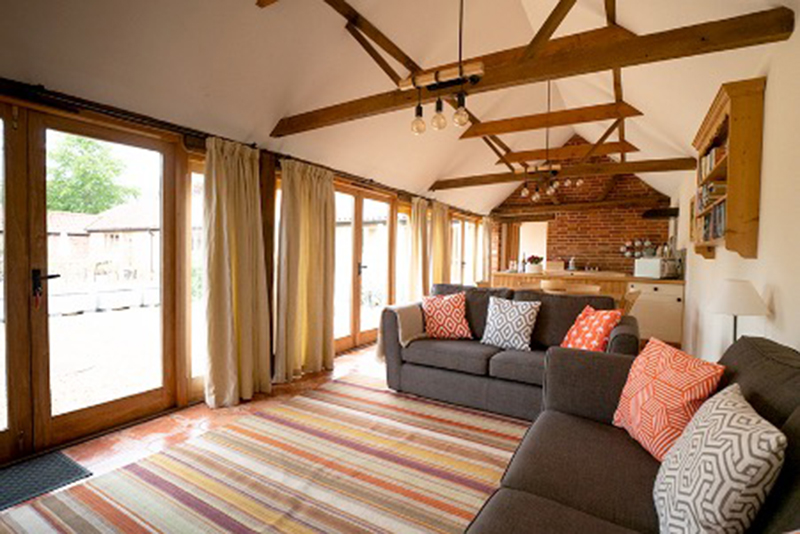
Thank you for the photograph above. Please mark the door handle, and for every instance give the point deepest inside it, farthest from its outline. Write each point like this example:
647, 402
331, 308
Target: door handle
361, 268
36, 281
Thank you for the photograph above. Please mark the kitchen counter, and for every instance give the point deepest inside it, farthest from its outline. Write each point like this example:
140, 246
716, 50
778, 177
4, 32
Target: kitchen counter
586, 277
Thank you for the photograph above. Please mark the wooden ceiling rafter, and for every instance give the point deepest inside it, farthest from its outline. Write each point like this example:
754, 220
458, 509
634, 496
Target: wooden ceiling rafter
603, 138
521, 211
611, 19
373, 53
548, 28
552, 119
576, 171
570, 152
367, 28
596, 51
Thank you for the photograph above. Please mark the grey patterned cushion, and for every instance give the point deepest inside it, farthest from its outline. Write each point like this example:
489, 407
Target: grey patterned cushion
717, 475
509, 323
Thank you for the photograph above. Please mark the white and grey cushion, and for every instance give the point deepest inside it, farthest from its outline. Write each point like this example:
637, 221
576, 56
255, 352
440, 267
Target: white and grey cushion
719, 472
509, 323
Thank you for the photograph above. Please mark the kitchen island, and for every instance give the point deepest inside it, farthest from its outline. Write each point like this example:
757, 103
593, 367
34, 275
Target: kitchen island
659, 307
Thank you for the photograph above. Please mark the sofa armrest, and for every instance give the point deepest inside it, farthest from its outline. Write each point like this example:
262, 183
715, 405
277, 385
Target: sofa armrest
583, 383
624, 339
391, 346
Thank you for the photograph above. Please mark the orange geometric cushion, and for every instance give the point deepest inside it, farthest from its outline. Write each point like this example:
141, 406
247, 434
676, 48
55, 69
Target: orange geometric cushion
592, 329
446, 316
665, 388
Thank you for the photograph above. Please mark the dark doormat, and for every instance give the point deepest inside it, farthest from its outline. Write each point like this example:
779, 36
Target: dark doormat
24, 481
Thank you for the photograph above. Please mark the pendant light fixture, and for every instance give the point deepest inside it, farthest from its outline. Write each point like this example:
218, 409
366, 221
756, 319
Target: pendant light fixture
461, 117
439, 121
418, 124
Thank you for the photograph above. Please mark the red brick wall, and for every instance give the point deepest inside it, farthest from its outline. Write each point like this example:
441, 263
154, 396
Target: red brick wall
594, 237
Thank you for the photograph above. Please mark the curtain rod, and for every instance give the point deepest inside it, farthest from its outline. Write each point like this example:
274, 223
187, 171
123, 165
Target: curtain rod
193, 139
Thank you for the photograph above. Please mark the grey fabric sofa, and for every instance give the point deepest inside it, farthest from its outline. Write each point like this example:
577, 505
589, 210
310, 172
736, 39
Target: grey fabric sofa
576, 473
469, 373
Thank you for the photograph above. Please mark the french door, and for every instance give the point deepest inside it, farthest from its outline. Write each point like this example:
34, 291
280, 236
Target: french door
365, 234
90, 265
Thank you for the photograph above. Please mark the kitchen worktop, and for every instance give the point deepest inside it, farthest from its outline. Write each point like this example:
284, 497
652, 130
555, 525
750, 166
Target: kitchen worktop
584, 275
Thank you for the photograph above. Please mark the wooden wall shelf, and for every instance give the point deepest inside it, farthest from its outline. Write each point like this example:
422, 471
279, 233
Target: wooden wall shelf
726, 207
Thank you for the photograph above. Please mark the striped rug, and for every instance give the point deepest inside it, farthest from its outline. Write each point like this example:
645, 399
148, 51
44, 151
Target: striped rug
350, 456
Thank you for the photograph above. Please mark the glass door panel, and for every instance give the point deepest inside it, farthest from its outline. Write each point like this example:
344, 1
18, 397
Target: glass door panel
104, 244
3, 360
469, 253
374, 266
403, 259
343, 266
456, 261
198, 274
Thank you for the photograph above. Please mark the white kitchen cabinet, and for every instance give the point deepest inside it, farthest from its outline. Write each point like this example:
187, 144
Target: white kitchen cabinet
659, 310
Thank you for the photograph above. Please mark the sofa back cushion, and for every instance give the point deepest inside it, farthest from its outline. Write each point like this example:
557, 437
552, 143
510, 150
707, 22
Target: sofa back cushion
477, 303
769, 376
781, 513
558, 313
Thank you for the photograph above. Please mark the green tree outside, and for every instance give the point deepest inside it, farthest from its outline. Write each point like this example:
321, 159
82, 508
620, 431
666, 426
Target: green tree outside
82, 176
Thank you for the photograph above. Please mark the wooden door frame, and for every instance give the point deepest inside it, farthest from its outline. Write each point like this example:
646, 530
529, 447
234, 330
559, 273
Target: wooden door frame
53, 431
17, 440
357, 337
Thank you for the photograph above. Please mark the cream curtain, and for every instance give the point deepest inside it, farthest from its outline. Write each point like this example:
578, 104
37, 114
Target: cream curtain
238, 304
420, 261
304, 335
440, 243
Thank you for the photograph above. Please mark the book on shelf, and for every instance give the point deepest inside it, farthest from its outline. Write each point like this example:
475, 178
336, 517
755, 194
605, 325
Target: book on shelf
714, 223
711, 159
708, 194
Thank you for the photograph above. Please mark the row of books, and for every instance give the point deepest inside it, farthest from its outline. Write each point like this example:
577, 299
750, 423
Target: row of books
707, 194
710, 160
713, 224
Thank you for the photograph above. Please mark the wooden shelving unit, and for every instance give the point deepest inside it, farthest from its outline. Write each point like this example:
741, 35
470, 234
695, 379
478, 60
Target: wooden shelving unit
725, 210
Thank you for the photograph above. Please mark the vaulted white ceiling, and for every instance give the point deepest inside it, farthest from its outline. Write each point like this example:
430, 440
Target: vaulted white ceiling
229, 68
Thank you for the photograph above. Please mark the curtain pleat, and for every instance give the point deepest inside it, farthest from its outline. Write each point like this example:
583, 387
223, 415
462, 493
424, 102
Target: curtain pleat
420, 262
440, 243
486, 254
304, 333
237, 302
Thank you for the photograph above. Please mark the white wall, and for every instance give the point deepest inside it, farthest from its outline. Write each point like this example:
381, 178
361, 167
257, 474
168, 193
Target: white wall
533, 239
776, 271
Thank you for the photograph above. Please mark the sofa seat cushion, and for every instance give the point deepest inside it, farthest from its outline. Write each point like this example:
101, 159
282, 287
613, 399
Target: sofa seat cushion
518, 366
462, 355
592, 467
516, 511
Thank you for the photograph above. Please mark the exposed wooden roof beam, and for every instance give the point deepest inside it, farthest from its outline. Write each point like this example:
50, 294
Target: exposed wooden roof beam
570, 152
650, 200
614, 126
374, 54
611, 12
547, 30
595, 51
565, 117
576, 171
356, 19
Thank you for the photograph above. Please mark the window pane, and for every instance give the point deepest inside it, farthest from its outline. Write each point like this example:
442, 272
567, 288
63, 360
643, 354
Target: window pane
199, 320
403, 259
455, 257
469, 253
104, 239
343, 291
374, 263
3, 383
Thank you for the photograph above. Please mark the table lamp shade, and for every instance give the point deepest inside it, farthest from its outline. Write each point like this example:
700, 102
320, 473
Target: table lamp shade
738, 297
